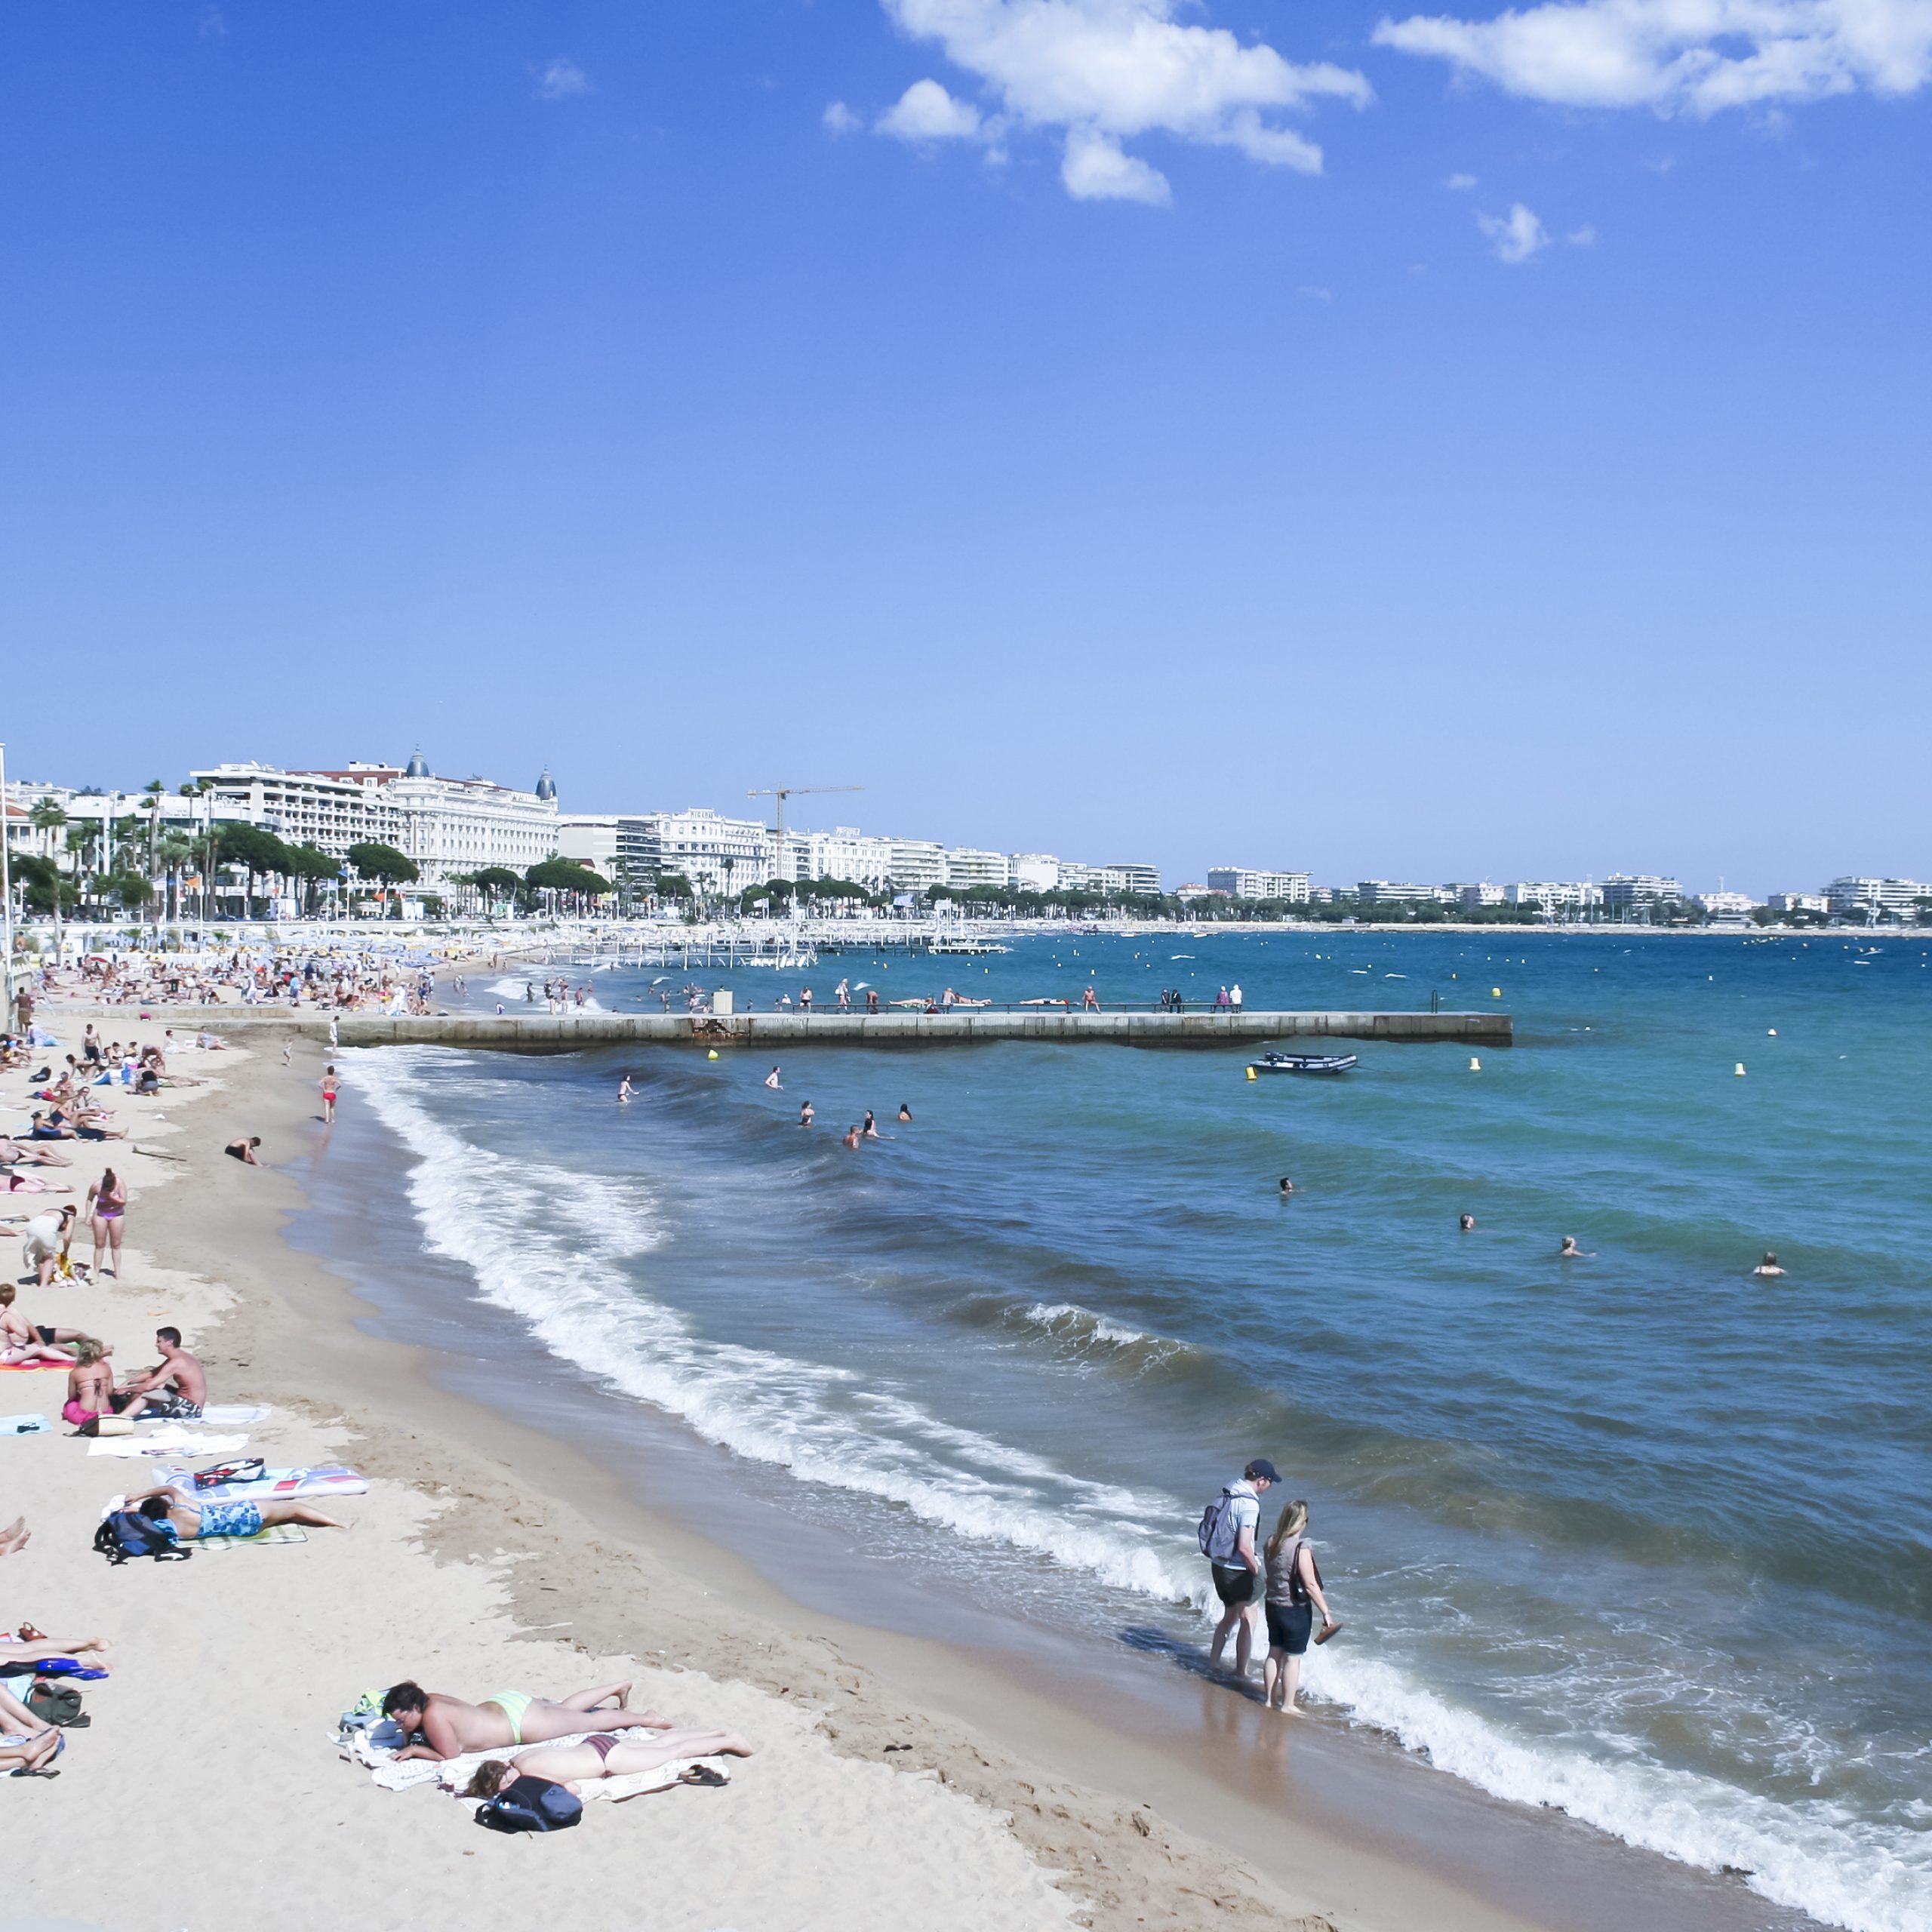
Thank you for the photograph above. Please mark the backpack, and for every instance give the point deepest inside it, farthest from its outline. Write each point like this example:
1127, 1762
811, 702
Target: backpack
1217, 1534
530, 1805
126, 1533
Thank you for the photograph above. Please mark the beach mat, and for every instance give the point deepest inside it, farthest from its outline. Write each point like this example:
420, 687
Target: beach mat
175, 1444
24, 1426
229, 1414
271, 1533
35, 1367
329, 1480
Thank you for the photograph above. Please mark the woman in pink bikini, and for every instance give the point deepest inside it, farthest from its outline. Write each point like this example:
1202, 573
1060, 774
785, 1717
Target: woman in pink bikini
107, 1202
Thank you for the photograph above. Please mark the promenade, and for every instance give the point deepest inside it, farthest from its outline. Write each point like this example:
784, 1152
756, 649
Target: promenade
561, 1032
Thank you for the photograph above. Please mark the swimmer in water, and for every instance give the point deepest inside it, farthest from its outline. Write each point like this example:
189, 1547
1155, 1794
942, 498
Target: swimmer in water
1288, 1185
905, 1111
805, 1114
1570, 1251
771, 1079
624, 1087
850, 1137
870, 1129
1467, 1224
1766, 1268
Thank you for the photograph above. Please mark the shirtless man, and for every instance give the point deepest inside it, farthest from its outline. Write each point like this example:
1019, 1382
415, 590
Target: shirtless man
450, 1727
24, 1341
1767, 1267
186, 1383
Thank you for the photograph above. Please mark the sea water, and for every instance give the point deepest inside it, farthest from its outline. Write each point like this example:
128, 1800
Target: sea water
1636, 1535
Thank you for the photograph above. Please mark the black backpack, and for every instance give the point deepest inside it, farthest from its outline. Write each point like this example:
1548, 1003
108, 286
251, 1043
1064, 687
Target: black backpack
530, 1805
128, 1534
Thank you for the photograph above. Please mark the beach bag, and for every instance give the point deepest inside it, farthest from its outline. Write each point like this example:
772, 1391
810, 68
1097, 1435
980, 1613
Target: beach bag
530, 1805
1217, 1534
127, 1533
54, 1704
251, 1469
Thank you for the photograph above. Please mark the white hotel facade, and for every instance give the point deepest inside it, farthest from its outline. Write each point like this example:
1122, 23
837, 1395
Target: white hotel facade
445, 825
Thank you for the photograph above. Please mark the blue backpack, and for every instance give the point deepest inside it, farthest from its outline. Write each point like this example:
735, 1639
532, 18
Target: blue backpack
127, 1533
530, 1805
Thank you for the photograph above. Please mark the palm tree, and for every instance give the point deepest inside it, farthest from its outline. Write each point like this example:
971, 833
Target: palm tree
47, 819
171, 852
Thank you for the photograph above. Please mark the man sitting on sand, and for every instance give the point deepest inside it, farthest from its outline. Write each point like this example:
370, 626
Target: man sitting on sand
186, 1382
191, 1517
450, 1728
573, 1766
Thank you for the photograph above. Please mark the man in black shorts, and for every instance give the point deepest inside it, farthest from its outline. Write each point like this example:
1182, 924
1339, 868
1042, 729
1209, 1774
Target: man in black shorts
1240, 1581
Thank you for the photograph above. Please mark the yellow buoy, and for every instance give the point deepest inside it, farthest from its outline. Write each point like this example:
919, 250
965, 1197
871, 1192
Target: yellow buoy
713, 1055
1251, 1073
1739, 1069
1475, 1065
1495, 992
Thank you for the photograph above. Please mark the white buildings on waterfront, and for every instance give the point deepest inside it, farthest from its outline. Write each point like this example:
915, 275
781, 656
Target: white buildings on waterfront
1248, 882
446, 826
1857, 898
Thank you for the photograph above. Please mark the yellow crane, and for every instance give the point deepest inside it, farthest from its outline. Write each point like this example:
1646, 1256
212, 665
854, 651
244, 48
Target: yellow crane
782, 792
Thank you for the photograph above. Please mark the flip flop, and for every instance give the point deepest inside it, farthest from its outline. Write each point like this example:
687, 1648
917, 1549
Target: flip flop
702, 1774
1321, 1636
32, 1771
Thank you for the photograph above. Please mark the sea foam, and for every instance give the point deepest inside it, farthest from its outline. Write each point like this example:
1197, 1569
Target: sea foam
551, 1245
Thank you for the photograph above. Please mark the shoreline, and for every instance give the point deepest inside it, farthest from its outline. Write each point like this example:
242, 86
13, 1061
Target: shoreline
873, 1691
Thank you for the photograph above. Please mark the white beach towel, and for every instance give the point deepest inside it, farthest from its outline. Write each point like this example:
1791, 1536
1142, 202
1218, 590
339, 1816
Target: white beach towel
24, 1425
176, 1445
230, 1413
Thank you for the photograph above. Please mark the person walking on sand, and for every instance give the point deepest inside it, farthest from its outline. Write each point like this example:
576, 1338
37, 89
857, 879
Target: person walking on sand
331, 1087
1228, 1527
1294, 1595
107, 1202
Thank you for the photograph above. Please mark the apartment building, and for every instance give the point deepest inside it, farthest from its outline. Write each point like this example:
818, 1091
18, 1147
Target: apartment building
1249, 882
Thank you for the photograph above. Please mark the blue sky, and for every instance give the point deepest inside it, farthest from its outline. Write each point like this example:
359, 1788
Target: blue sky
1232, 432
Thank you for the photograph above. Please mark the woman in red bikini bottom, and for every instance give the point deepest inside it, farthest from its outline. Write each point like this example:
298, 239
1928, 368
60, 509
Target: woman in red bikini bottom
573, 1766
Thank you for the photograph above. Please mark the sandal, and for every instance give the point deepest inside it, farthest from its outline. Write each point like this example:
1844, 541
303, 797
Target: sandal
702, 1774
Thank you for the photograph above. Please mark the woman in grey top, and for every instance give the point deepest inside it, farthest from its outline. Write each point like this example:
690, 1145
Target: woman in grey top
1294, 1594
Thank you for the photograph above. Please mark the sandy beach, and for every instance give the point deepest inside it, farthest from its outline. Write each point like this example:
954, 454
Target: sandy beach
895, 1780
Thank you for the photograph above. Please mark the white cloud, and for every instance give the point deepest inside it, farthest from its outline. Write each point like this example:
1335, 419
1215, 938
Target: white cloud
560, 78
1515, 236
1585, 237
839, 119
1095, 169
925, 111
1697, 56
1459, 184
1100, 72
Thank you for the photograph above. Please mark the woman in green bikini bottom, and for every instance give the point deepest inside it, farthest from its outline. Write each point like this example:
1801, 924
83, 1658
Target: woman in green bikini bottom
450, 1727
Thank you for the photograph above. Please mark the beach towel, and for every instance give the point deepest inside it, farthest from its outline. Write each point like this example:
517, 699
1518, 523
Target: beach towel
24, 1425
230, 1413
454, 1773
179, 1444
271, 1533
331, 1479
34, 1368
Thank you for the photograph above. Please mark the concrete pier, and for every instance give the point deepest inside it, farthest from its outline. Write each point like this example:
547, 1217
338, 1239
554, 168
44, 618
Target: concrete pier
562, 1032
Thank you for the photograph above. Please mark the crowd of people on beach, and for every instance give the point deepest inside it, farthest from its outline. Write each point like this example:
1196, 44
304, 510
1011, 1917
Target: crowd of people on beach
344, 980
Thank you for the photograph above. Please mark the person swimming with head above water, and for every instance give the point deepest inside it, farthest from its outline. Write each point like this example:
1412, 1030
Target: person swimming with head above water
805, 1115
1766, 1268
1466, 1224
440, 1726
905, 1111
1570, 1251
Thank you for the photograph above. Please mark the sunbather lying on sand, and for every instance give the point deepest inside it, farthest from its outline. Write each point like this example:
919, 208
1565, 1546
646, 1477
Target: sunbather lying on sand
27, 1745
16, 1656
450, 1727
573, 1766
193, 1518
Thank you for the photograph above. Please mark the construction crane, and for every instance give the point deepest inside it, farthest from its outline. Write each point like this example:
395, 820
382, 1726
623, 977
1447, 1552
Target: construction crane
782, 792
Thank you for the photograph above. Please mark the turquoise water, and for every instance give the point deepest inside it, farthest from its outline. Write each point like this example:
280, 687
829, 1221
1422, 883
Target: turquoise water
1636, 1534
